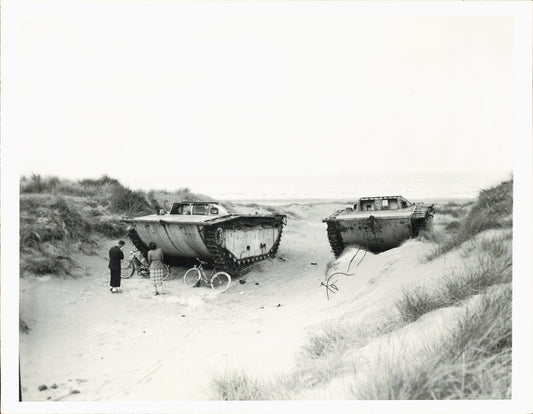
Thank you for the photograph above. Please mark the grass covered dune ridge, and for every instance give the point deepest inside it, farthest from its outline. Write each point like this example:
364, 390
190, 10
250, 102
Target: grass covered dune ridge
59, 217
446, 339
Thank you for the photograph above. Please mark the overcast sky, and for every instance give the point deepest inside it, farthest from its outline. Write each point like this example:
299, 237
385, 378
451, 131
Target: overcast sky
163, 89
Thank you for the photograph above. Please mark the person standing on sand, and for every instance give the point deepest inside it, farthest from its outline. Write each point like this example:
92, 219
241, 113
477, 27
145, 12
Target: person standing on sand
157, 268
115, 256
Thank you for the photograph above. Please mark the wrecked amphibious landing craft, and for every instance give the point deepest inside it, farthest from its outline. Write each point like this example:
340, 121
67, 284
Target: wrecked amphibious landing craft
377, 224
205, 230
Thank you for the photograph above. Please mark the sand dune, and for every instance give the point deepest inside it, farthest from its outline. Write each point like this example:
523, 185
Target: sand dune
132, 346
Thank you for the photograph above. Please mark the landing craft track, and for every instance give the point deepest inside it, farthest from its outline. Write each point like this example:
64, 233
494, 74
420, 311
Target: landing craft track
137, 242
335, 239
224, 259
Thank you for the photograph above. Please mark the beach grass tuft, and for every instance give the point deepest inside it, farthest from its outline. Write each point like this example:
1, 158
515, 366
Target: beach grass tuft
453, 226
492, 210
129, 202
416, 302
321, 358
236, 386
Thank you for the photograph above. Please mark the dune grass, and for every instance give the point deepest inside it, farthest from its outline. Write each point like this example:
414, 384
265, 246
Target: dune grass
324, 356
59, 217
319, 361
48, 225
37, 184
453, 209
473, 361
45, 261
108, 192
492, 210
327, 351
237, 385
489, 263
321, 358
453, 226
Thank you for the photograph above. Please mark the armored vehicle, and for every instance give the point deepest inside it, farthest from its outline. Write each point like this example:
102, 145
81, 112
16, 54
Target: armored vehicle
377, 224
205, 230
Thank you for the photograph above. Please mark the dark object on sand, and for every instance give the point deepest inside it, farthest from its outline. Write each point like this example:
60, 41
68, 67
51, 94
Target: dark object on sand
205, 230
42, 387
23, 326
377, 224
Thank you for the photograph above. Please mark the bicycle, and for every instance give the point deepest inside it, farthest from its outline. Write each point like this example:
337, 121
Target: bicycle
219, 281
139, 266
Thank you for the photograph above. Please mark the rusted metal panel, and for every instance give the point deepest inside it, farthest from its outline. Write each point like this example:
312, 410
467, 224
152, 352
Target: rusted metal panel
182, 240
249, 243
375, 234
377, 223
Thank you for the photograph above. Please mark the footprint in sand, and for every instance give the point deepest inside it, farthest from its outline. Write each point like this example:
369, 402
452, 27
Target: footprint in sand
148, 296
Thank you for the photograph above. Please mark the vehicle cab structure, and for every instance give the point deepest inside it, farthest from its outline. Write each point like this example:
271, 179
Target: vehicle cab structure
381, 203
198, 208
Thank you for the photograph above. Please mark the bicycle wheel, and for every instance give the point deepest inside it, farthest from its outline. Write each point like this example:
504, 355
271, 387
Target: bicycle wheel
220, 281
191, 277
126, 270
167, 272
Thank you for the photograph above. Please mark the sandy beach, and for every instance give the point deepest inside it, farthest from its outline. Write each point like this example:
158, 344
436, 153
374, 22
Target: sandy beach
86, 344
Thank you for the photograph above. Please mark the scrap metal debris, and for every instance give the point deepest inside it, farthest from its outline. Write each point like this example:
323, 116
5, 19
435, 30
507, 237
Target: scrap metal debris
330, 284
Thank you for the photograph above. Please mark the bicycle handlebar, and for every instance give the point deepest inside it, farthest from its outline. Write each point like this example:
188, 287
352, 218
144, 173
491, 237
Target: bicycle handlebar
201, 261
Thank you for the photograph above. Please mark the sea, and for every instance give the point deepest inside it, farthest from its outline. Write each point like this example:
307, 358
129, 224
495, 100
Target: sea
322, 188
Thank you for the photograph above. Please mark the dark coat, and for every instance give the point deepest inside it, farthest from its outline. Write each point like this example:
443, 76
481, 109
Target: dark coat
115, 256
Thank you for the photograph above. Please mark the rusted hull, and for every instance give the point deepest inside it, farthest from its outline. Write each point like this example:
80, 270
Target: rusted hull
231, 242
176, 240
244, 244
377, 224
375, 234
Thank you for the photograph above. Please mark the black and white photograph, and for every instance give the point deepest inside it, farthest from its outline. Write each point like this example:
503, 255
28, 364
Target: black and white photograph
266, 206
